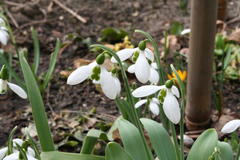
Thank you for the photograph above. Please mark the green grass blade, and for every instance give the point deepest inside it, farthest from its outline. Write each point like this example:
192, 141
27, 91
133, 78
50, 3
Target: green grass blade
52, 64
68, 156
160, 140
10, 140
36, 47
204, 146
91, 139
115, 152
38, 109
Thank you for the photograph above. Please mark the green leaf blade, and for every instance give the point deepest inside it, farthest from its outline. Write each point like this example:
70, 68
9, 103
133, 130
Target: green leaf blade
204, 146
115, 152
160, 140
38, 109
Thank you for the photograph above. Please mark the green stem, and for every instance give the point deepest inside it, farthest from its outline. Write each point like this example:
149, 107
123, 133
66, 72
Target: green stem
174, 135
182, 130
238, 152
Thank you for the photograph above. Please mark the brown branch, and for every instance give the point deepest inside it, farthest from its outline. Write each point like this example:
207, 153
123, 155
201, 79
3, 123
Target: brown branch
74, 14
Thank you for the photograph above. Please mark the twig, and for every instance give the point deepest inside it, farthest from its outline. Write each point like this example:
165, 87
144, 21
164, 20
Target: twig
11, 17
80, 18
234, 20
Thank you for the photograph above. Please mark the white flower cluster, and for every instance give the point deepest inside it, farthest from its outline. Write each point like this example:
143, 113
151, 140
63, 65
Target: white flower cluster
96, 71
30, 153
4, 36
144, 67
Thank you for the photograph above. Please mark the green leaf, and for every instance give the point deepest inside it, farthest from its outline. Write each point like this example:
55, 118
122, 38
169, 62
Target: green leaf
53, 61
113, 35
38, 110
91, 139
132, 141
36, 48
225, 151
68, 156
160, 140
176, 28
115, 152
204, 145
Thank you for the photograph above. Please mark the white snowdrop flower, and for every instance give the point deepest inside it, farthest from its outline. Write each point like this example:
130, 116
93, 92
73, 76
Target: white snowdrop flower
30, 152
4, 36
186, 31
110, 84
13, 156
170, 103
140, 55
153, 105
15, 88
153, 77
3, 152
231, 126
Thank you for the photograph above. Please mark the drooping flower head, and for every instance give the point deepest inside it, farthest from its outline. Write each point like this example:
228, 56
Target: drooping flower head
4, 84
168, 95
142, 58
96, 71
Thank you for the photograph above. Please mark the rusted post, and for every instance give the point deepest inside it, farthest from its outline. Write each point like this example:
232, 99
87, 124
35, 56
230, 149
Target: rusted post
203, 28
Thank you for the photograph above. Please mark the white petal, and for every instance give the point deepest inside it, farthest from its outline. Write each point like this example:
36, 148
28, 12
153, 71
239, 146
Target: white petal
155, 100
79, 75
186, 31
140, 103
149, 54
107, 84
124, 54
13, 156
154, 108
3, 36
146, 90
18, 90
154, 76
117, 85
142, 69
29, 157
3, 152
175, 91
131, 69
231, 126
154, 65
17, 141
30, 152
3, 86
171, 108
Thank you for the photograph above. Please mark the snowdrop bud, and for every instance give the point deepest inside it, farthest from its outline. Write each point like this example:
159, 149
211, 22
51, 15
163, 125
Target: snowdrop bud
169, 84
142, 45
4, 73
100, 59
